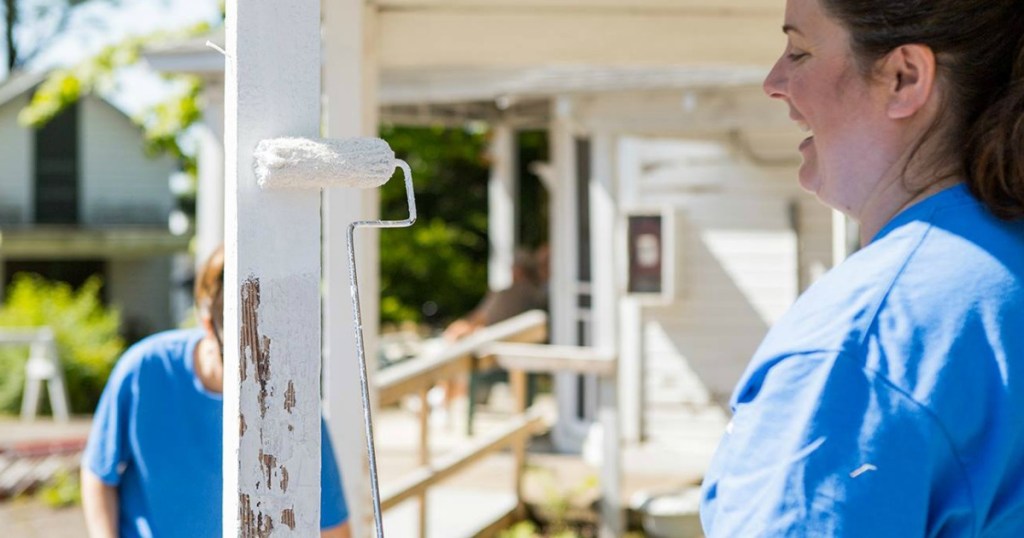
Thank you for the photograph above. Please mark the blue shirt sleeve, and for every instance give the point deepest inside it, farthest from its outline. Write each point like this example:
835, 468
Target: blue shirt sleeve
820, 446
106, 451
333, 508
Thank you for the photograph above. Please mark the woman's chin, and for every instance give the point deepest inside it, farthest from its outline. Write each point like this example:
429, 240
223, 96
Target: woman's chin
809, 180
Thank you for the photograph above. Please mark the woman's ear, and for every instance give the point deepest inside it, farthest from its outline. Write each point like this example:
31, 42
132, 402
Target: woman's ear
909, 75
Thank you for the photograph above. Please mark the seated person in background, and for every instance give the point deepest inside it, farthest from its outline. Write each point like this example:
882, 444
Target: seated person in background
526, 293
152, 466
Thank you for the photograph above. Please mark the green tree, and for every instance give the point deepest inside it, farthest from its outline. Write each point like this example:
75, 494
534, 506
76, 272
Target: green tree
47, 19
86, 332
162, 124
436, 270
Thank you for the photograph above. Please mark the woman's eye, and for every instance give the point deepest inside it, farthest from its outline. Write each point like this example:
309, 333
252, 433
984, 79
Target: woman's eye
796, 56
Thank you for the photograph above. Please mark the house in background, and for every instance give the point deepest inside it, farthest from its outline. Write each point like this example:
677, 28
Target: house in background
79, 197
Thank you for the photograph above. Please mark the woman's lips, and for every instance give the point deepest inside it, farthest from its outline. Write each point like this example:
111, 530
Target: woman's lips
806, 143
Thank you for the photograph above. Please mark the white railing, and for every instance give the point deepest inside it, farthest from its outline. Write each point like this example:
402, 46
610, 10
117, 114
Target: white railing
513, 345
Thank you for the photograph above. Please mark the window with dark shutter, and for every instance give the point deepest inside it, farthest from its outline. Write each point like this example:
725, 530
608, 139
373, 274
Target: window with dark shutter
56, 169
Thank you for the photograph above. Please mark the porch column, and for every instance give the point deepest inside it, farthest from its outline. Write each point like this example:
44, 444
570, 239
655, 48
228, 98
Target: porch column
845, 237
604, 319
271, 454
350, 86
564, 280
501, 206
210, 180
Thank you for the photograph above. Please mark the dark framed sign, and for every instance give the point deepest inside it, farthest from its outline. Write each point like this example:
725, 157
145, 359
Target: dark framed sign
649, 244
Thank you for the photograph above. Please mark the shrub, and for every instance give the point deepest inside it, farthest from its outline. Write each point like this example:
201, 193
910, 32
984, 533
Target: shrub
86, 332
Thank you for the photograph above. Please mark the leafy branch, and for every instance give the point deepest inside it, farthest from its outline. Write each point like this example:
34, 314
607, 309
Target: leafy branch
161, 124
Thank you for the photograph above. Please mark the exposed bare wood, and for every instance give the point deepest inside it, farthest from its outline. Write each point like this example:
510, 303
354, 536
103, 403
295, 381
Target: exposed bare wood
547, 358
423, 372
419, 480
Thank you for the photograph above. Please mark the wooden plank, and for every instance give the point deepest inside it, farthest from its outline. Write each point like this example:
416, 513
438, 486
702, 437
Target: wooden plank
550, 358
425, 39
417, 481
424, 372
500, 524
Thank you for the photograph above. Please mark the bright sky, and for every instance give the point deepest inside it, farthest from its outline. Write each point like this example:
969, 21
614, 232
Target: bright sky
139, 86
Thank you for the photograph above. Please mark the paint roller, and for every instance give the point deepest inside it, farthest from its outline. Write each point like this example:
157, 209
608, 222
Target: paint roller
305, 163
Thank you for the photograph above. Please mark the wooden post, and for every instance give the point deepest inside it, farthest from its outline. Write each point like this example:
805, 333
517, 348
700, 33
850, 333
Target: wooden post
424, 454
350, 86
272, 277
564, 282
501, 206
605, 286
517, 381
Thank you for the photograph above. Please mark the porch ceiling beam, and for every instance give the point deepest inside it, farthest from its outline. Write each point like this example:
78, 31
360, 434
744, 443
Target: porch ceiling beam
427, 38
678, 6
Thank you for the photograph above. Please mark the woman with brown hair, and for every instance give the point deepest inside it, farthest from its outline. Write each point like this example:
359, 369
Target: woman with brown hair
889, 401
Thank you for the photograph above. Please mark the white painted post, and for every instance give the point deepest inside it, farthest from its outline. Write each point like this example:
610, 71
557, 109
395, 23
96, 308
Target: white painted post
564, 281
845, 237
350, 86
272, 277
605, 293
210, 188
631, 370
631, 342
501, 206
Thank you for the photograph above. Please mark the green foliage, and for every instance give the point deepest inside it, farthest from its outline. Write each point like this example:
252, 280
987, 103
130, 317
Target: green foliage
161, 124
436, 271
86, 333
164, 122
62, 491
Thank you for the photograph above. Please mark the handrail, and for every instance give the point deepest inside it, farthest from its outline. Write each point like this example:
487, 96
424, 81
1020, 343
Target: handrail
423, 372
550, 358
513, 345
418, 480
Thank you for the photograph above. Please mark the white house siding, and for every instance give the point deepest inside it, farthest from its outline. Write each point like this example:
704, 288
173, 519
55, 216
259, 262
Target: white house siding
747, 239
119, 183
141, 288
15, 165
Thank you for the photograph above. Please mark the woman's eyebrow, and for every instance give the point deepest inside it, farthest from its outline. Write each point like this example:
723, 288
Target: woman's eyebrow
787, 28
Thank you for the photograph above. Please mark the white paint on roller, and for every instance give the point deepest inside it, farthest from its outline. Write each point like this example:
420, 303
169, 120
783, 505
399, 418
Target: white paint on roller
290, 163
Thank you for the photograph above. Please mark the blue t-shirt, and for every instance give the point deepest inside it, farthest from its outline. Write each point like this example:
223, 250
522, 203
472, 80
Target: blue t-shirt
889, 400
156, 435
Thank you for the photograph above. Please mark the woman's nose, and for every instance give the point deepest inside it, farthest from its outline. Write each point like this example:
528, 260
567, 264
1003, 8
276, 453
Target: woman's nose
775, 83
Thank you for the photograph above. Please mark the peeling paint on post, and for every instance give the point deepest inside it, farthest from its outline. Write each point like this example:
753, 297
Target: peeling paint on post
271, 277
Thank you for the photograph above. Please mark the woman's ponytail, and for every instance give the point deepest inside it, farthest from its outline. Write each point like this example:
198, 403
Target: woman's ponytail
995, 152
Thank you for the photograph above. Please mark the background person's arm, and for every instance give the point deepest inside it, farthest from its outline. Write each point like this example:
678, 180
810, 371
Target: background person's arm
338, 531
100, 504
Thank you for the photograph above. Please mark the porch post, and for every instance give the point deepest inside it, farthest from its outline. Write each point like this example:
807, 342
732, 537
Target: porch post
501, 206
271, 457
605, 293
564, 279
350, 86
210, 187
